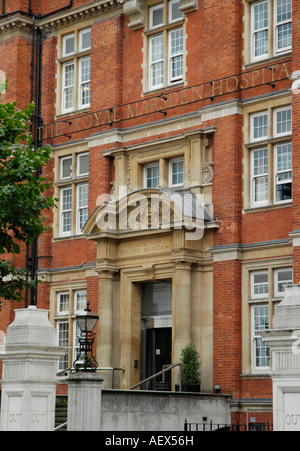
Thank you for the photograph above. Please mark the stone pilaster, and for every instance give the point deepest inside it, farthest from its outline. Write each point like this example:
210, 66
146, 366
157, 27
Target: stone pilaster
105, 324
181, 298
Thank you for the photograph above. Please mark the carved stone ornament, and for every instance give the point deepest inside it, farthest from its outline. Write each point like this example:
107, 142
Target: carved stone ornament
149, 272
188, 5
207, 172
207, 142
135, 10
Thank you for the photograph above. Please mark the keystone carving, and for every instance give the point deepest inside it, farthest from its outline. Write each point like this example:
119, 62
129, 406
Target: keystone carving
149, 272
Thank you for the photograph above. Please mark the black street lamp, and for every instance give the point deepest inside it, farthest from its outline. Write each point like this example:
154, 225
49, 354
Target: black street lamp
85, 360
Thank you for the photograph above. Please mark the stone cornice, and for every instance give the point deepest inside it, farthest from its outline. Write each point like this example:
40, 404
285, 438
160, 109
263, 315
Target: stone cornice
134, 9
49, 23
77, 14
16, 22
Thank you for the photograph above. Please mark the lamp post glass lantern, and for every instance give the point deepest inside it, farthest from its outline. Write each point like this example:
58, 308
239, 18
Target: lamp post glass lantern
85, 360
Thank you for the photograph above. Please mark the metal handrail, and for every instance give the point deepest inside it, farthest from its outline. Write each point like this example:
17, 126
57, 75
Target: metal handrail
171, 367
61, 426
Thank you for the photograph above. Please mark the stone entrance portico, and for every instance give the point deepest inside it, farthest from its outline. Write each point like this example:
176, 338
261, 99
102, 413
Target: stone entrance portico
128, 258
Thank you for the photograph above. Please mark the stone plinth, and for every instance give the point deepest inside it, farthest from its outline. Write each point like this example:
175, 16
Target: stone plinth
30, 356
84, 401
284, 341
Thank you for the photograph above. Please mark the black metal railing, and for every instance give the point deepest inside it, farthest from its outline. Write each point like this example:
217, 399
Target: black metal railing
215, 427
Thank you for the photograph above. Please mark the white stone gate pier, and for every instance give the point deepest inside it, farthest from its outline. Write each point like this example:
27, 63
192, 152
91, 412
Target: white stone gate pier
284, 342
29, 357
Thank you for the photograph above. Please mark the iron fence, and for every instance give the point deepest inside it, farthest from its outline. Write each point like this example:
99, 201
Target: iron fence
215, 427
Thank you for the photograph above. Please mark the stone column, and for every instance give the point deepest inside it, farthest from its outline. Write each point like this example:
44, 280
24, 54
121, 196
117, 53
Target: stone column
105, 324
84, 402
284, 341
181, 309
30, 358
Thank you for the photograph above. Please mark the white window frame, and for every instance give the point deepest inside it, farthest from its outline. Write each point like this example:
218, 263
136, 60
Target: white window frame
64, 360
255, 336
164, 33
81, 84
171, 3
83, 174
76, 294
178, 79
81, 33
65, 38
278, 293
72, 183
254, 32
171, 162
155, 8
59, 295
278, 51
254, 177
272, 30
61, 167
276, 172
149, 166
64, 87
62, 212
79, 208
259, 296
152, 63
275, 121
252, 119
74, 59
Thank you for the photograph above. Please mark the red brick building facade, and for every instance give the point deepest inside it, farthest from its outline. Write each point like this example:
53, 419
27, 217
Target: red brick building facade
165, 96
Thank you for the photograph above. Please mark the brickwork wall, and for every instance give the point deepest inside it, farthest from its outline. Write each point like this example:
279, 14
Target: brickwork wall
227, 327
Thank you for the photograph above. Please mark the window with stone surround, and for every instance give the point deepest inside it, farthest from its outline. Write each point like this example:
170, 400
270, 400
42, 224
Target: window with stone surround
164, 173
270, 150
72, 188
270, 29
69, 303
151, 175
176, 172
267, 286
74, 71
165, 43
260, 350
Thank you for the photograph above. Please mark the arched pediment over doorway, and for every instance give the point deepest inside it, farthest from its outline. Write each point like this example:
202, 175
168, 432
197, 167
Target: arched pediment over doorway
147, 211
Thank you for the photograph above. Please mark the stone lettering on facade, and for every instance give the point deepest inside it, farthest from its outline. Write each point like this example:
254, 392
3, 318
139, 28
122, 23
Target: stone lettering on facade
137, 248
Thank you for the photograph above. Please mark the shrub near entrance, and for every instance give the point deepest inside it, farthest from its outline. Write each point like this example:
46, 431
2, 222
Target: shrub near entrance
190, 360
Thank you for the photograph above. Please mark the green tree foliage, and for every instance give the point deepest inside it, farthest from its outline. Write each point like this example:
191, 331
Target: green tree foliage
22, 194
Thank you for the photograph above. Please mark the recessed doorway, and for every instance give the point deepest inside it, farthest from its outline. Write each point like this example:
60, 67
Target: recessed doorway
156, 333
